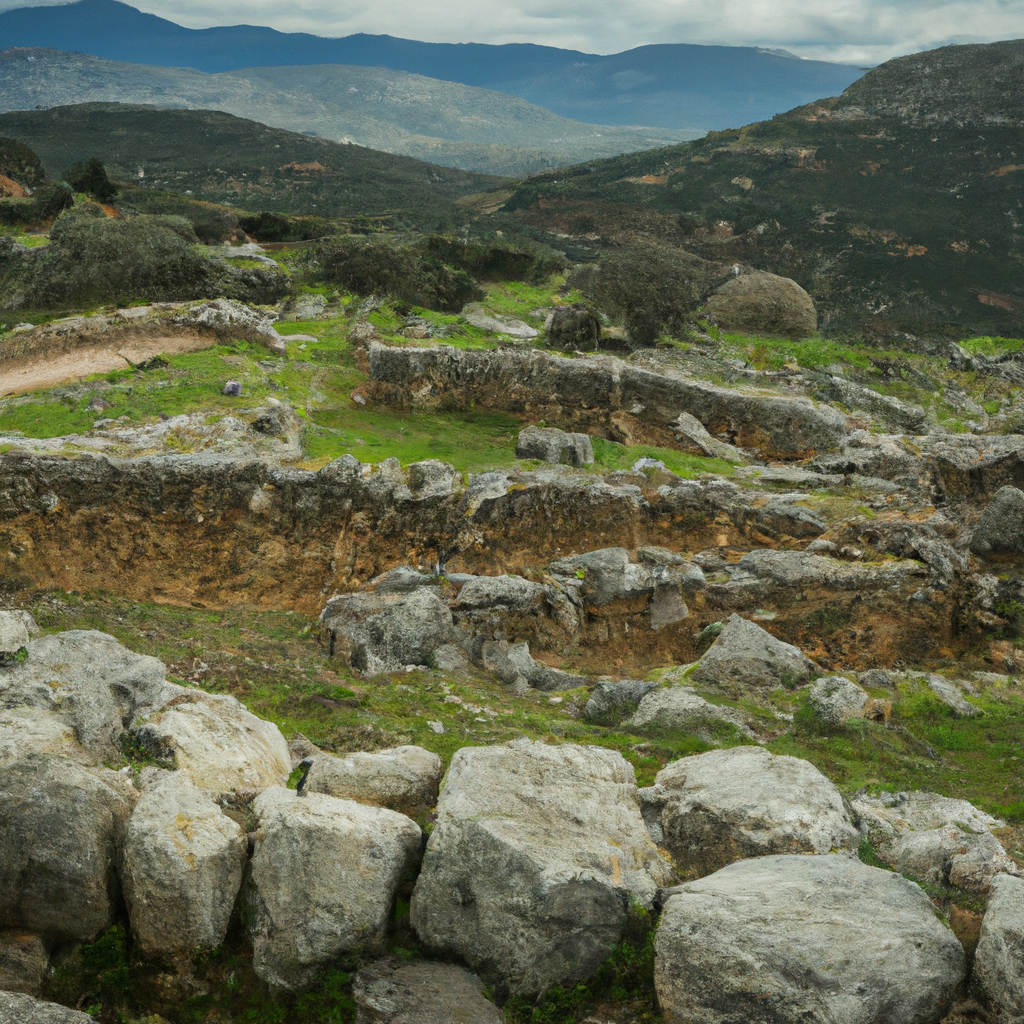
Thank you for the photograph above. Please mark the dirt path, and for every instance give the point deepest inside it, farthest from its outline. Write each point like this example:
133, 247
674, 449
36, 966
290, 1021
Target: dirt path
45, 371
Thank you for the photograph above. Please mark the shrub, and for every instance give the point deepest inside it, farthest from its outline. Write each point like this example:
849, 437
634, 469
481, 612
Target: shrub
21, 163
496, 261
91, 177
276, 227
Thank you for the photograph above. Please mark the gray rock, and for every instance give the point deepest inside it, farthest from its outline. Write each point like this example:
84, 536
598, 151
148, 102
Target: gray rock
23, 962
764, 304
529, 870
1000, 530
450, 658
18, 1008
952, 696
804, 940
746, 655
552, 445
610, 698
433, 479
182, 868
877, 679
405, 779
61, 828
390, 992
13, 638
377, 633
1000, 952
323, 878
835, 700
511, 663
889, 815
232, 388
510, 594
679, 707
475, 315
606, 575
725, 805
573, 328
692, 433
403, 579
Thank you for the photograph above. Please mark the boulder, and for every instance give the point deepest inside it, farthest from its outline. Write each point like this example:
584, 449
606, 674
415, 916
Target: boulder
391, 992
763, 303
221, 745
384, 632
533, 861
28, 730
61, 830
433, 479
610, 698
323, 878
552, 445
725, 805
804, 940
574, 328
403, 579
999, 957
745, 655
952, 696
405, 779
18, 1008
889, 815
835, 700
13, 639
182, 867
23, 962
1000, 531
608, 575
474, 314
680, 707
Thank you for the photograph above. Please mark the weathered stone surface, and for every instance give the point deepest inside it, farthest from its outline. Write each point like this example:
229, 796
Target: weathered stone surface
23, 962
952, 696
746, 655
181, 867
13, 638
376, 633
390, 992
475, 315
573, 328
221, 745
530, 867
549, 444
804, 940
61, 828
1001, 528
18, 1008
404, 779
608, 575
764, 304
1000, 952
835, 700
324, 875
610, 698
889, 815
679, 707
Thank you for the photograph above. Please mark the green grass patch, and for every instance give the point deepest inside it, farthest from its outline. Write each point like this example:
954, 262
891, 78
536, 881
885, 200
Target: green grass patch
609, 456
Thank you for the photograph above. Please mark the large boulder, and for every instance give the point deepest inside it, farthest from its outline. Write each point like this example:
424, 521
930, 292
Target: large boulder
391, 992
535, 856
745, 655
548, 444
23, 962
763, 303
13, 638
610, 698
17, 1008
804, 940
221, 745
680, 707
384, 632
999, 959
574, 328
889, 815
404, 779
1000, 531
61, 830
323, 878
182, 867
835, 699
725, 805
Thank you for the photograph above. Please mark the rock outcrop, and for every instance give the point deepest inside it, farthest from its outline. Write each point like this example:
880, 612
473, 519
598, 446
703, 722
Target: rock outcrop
1000, 530
17, 1008
680, 707
1000, 952
549, 444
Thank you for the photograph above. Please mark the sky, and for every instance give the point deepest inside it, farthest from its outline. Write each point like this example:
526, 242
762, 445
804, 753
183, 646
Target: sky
848, 31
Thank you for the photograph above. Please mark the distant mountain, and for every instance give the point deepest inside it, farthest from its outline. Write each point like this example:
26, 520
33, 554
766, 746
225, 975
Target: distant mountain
675, 85
444, 122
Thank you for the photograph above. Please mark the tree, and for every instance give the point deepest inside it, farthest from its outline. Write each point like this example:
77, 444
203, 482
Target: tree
91, 177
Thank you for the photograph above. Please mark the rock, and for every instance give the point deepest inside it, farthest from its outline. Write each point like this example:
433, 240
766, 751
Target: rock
221, 745
511, 663
377, 633
61, 829
1000, 530
746, 655
817, 940
573, 328
182, 868
18, 1008
951, 695
764, 303
405, 779
511, 594
610, 698
475, 315
835, 700
391, 992
552, 445
403, 579
693, 434
323, 878
724, 805
877, 679
229, 318
607, 575
1000, 952
679, 707
450, 658
433, 479
301, 748
889, 815
233, 389
23, 962
13, 639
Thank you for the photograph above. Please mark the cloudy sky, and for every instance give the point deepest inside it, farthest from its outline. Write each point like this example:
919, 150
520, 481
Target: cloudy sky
851, 31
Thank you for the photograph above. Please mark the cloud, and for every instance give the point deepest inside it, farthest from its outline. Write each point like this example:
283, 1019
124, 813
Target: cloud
852, 31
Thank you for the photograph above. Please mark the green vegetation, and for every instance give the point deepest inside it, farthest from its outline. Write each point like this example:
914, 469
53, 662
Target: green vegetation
90, 177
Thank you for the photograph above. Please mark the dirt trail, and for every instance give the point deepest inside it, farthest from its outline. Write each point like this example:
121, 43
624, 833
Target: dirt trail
24, 375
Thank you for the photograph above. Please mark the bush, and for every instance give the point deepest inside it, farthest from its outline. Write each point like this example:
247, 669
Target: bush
276, 227
496, 261
91, 178
21, 163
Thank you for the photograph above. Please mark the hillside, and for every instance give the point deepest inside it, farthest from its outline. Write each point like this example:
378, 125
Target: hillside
895, 206
444, 122
221, 158
677, 86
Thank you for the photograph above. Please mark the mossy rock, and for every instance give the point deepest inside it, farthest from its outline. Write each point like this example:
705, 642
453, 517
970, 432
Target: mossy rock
763, 303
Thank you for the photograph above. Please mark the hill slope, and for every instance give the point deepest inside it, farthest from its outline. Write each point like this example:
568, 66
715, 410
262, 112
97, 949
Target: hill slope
670, 86
447, 123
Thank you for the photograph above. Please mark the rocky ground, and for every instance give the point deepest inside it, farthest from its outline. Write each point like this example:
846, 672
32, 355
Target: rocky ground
437, 672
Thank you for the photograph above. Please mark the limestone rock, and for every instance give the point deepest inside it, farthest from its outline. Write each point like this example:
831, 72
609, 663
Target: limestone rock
764, 303
1001, 528
1000, 953
377, 633
724, 805
405, 779
609, 698
182, 868
680, 707
835, 700
18, 1008
746, 655
530, 867
61, 828
952, 697
552, 445
403, 579
221, 745
433, 479
573, 328
475, 315
390, 992
324, 875
814, 940
23, 962
13, 638
889, 815
608, 575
